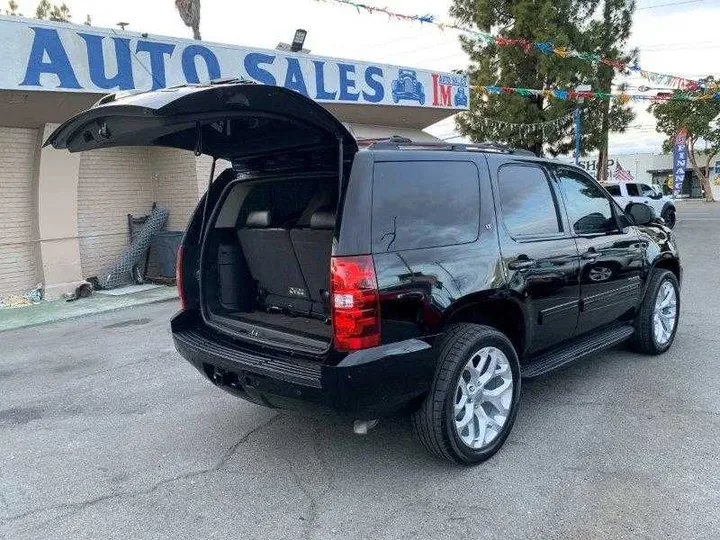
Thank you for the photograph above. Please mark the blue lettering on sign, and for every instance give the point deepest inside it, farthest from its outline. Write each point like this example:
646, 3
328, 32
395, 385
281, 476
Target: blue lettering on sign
294, 78
157, 52
123, 79
189, 67
320, 91
346, 83
47, 41
49, 57
374, 84
252, 66
452, 80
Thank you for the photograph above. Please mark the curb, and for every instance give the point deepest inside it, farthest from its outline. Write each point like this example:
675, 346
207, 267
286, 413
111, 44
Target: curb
83, 315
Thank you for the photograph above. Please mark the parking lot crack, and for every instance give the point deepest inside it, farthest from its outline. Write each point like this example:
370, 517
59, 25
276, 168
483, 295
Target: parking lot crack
74, 508
312, 517
313, 500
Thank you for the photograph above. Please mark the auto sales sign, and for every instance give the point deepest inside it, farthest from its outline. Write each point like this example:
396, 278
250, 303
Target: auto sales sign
39, 55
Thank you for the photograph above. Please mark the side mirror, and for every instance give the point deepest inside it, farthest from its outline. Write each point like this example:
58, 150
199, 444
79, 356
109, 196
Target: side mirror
640, 214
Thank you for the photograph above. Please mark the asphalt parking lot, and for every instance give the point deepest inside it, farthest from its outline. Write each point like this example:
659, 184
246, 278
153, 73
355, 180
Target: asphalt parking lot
105, 432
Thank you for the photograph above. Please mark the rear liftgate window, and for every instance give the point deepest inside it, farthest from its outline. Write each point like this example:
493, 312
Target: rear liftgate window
422, 204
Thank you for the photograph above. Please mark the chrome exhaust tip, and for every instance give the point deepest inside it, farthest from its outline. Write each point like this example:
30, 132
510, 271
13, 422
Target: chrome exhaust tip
361, 427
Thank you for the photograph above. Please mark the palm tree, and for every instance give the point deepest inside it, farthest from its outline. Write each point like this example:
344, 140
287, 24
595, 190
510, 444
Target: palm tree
190, 13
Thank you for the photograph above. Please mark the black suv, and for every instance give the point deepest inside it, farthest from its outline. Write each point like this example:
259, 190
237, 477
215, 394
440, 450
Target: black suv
396, 276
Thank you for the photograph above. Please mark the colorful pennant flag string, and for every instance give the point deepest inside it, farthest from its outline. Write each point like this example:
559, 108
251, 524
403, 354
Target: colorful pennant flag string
526, 130
621, 97
544, 47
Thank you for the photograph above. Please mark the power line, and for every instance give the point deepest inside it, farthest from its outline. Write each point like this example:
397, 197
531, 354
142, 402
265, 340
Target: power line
670, 4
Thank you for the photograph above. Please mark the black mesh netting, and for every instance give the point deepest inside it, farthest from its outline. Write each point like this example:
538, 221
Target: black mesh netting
121, 271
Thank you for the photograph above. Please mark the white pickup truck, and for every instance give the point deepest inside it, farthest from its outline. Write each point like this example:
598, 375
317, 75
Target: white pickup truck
636, 192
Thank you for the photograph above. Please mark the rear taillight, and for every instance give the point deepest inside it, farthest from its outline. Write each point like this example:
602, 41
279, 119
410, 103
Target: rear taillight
179, 276
354, 303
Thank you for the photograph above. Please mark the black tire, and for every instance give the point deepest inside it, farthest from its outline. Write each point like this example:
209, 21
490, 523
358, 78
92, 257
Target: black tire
644, 340
433, 422
669, 216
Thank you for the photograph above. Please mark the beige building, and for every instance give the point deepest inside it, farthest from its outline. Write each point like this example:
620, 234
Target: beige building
63, 217
656, 169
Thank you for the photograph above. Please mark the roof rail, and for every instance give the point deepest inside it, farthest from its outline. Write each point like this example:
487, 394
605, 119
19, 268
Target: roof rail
402, 143
394, 139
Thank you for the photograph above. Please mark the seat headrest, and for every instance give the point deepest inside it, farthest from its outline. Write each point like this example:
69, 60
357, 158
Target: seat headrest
322, 219
259, 219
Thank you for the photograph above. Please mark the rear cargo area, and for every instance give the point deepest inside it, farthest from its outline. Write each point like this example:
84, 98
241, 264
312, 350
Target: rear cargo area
266, 261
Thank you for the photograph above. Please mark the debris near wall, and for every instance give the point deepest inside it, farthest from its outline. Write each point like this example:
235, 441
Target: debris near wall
121, 272
34, 296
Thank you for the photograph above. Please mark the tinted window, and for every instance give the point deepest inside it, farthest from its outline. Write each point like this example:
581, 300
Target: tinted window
632, 190
527, 202
647, 191
419, 204
613, 190
588, 208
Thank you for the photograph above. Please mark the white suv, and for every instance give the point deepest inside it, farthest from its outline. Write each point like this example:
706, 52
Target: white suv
635, 192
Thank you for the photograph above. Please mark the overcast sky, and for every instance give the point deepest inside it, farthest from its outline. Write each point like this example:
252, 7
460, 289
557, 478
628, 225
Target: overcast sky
674, 36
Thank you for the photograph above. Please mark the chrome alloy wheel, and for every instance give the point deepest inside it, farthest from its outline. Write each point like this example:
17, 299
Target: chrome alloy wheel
665, 313
483, 397
601, 273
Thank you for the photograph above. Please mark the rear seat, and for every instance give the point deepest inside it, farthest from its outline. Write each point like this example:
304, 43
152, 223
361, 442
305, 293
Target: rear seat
313, 246
272, 262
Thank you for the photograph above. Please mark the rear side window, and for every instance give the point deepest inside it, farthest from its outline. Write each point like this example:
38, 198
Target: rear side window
632, 190
421, 204
527, 201
613, 190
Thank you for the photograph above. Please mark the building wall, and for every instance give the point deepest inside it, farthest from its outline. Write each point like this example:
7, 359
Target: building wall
112, 183
175, 186
19, 265
639, 165
204, 164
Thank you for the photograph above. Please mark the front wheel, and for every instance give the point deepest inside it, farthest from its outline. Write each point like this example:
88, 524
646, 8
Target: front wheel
669, 216
472, 403
657, 320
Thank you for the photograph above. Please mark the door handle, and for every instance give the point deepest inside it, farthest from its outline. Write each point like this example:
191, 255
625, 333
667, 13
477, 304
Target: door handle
521, 263
590, 255
410, 296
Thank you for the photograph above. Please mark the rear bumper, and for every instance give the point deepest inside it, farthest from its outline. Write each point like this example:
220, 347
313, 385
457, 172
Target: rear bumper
366, 384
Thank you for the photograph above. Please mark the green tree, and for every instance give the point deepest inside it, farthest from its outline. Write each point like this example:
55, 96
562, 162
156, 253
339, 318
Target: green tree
565, 23
42, 11
12, 9
608, 34
189, 11
702, 121
52, 12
